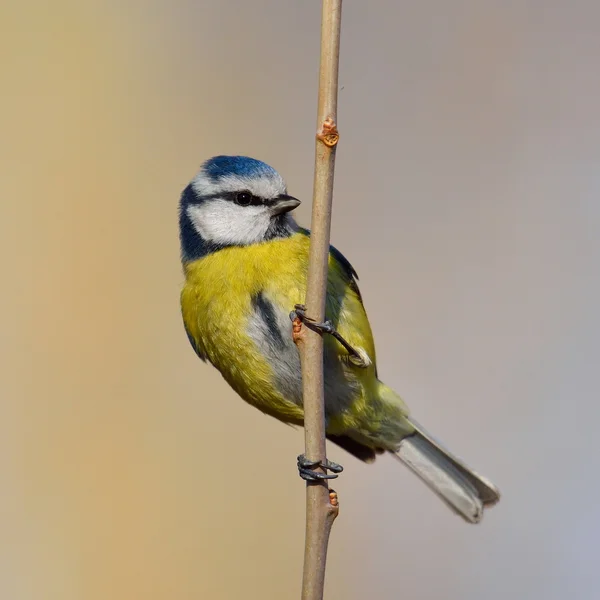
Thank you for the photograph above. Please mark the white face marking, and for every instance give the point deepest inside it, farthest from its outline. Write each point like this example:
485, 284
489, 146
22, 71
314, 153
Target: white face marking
224, 222
262, 186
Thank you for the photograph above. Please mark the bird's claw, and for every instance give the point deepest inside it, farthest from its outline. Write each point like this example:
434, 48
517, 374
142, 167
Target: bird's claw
308, 474
305, 469
357, 357
299, 313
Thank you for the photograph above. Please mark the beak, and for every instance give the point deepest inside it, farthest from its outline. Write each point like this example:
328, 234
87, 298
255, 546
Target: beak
283, 204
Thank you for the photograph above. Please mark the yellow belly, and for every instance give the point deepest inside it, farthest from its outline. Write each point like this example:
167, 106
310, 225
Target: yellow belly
216, 307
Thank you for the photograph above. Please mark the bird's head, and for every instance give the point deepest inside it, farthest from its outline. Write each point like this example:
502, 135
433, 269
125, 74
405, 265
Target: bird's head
233, 201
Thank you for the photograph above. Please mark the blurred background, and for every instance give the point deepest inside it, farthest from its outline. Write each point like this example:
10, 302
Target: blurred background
467, 198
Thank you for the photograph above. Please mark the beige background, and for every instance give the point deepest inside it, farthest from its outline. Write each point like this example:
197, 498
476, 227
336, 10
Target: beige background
467, 198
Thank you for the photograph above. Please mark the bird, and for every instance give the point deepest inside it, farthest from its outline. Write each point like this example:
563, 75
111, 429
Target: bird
245, 263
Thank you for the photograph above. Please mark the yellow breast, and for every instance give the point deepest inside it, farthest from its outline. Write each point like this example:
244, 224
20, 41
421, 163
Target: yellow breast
216, 306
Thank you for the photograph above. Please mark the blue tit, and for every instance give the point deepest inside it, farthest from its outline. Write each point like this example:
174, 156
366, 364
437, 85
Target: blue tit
245, 262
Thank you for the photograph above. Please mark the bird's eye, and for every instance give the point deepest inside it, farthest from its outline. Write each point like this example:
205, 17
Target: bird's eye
243, 198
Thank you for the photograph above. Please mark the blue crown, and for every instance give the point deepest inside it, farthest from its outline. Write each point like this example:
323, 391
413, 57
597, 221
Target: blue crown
244, 166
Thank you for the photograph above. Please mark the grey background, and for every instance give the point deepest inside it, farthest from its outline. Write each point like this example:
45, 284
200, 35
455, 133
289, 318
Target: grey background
467, 199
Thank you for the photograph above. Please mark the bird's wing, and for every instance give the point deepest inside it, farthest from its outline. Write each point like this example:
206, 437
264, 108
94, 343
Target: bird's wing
345, 308
348, 269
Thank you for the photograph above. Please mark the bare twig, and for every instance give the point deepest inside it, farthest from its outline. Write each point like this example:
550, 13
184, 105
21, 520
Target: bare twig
321, 503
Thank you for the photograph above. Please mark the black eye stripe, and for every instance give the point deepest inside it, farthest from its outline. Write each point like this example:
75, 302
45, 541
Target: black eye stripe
232, 197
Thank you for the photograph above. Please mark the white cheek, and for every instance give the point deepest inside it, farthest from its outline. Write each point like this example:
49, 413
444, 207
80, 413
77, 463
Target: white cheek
223, 222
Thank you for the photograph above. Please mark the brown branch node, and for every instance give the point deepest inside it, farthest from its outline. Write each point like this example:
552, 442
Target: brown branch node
329, 133
297, 331
334, 503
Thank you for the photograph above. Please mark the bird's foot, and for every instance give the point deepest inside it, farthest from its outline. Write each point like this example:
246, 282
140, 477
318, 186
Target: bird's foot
305, 469
298, 316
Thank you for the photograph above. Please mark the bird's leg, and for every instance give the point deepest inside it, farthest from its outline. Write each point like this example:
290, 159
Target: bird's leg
305, 469
299, 315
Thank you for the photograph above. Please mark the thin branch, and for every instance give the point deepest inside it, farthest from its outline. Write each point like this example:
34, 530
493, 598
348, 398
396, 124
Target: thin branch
321, 503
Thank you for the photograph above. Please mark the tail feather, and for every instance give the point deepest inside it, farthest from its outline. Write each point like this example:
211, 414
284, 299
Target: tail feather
463, 490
